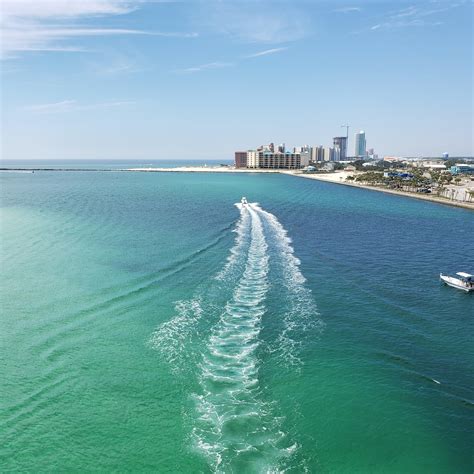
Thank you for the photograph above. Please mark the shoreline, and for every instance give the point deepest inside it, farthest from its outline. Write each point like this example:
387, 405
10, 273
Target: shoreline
203, 169
327, 178
423, 197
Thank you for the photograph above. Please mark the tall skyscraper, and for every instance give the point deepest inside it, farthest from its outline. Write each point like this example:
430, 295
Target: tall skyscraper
317, 153
360, 145
340, 143
329, 153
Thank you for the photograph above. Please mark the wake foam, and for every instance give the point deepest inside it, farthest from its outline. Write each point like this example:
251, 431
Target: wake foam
234, 425
302, 315
172, 337
241, 230
235, 428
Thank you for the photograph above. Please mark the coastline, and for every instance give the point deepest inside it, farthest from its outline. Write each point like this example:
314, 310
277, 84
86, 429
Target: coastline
334, 178
202, 169
423, 197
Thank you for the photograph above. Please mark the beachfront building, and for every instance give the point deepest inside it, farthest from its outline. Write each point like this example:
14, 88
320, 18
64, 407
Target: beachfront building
360, 145
261, 159
340, 144
304, 151
241, 159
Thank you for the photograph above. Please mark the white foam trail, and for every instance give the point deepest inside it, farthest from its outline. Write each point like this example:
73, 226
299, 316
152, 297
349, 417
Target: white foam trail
241, 229
235, 427
303, 314
171, 337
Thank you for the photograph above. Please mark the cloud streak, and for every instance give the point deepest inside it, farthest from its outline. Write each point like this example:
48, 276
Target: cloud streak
414, 16
29, 25
205, 67
256, 21
73, 105
347, 10
266, 52
221, 65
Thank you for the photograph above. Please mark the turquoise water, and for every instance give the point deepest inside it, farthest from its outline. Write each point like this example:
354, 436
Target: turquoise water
107, 164
149, 324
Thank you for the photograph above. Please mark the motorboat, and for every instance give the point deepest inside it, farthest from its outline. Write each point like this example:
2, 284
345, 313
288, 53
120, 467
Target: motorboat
463, 281
243, 201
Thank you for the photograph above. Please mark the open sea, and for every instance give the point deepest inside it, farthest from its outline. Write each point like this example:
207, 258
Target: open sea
150, 324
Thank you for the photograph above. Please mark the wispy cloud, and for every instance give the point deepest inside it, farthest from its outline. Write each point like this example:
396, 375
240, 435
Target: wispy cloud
48, 9
220, 65
347, 10
405, 24
204, 67
73, 105
49, 25
266, 52
260, 21
415, 16
119, 68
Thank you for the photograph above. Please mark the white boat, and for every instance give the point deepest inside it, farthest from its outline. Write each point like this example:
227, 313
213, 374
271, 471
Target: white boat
243, 201
465, 281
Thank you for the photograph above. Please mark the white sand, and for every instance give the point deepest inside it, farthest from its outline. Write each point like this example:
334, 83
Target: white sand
202, 169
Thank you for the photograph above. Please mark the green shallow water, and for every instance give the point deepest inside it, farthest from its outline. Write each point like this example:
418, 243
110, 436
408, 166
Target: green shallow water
139, 332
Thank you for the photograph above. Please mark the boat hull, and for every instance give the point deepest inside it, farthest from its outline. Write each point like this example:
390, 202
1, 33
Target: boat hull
454, 283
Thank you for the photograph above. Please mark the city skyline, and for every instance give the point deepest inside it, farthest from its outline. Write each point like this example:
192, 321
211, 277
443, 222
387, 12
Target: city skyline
115, 79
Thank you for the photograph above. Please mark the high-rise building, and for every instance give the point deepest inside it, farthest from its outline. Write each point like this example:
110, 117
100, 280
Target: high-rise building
329, 153
302, 149
360, 145
340, 143
317, 153
241, 159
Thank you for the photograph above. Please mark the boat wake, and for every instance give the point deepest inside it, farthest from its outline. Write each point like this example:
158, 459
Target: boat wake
236, 425
301, 315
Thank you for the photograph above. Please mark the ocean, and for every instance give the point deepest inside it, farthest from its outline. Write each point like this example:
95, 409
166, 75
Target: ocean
151, 324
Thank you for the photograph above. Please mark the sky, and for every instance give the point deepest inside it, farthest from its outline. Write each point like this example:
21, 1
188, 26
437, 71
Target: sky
138, 79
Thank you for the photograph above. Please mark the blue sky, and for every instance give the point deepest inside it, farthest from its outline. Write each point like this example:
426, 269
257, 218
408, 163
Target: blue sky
110, 79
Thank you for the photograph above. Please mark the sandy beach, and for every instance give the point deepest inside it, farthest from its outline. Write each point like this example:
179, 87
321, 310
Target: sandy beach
204, 169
